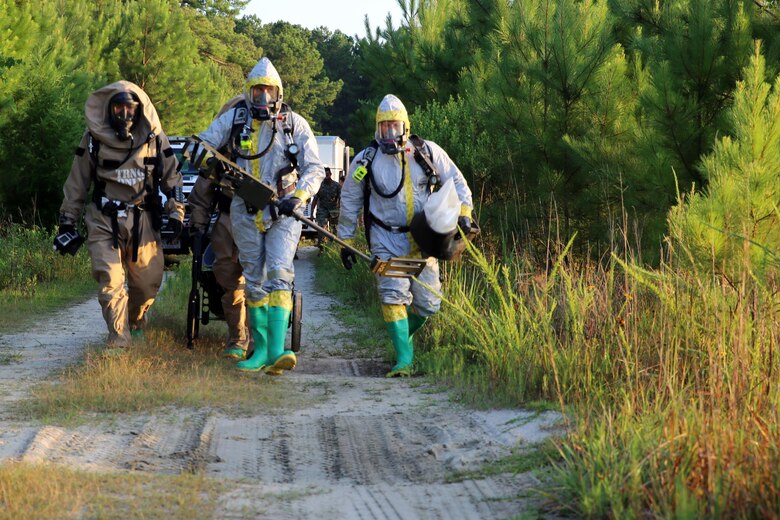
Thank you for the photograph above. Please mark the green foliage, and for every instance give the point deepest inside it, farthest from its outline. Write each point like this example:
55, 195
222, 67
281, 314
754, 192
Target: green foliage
552, 83
419, 61
37, 144
220, 44
39, 130
466, 140
339, 58
157, 54
694, 50
28, 260
736, 220
213, 8
18, 32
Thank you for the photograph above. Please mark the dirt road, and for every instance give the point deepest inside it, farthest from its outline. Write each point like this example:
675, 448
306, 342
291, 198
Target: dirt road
365, 447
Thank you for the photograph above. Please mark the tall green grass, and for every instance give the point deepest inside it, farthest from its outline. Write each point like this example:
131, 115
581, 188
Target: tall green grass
667, 377
28, 260
34, 279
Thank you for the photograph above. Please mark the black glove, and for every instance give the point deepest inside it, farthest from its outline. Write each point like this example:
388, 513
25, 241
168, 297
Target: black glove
348, 258
464, 223
176, 226
288, 206
67, 240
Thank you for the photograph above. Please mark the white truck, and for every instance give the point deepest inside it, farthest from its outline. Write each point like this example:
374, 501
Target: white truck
334, 154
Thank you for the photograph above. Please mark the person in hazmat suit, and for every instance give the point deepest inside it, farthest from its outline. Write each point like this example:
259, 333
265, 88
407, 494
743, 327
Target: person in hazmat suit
277, 146
204, 198
389, 183
127, 160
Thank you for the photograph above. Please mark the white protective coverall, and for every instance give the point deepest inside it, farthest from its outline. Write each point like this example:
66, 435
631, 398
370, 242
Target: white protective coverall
391, 172
267, 246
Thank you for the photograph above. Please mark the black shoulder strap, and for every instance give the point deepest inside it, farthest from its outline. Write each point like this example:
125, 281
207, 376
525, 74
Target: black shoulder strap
93, 147
362, 170
240, 119
287, 122
422, 155
289, 130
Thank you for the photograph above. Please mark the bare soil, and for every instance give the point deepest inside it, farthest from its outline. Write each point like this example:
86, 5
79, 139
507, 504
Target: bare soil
364, 447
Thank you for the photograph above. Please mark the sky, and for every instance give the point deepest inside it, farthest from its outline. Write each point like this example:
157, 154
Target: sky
344, 15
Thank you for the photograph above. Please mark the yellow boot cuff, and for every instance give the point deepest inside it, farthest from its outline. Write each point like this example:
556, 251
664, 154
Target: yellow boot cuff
392, 313
281, 299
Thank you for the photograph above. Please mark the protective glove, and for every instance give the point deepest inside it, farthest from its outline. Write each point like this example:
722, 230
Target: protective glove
68, 240
288, 206
348, 258
176, 226
464, 223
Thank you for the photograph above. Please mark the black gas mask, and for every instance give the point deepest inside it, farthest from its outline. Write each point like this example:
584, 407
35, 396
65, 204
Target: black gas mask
123, 112
263, 101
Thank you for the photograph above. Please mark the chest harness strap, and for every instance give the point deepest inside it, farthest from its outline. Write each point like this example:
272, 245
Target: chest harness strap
114, 209
421, 155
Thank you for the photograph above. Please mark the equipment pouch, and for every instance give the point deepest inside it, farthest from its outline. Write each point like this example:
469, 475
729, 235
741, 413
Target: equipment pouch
153, 205
360, 173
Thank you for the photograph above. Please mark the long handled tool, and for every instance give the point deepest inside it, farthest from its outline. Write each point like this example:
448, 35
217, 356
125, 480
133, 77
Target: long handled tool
224, 172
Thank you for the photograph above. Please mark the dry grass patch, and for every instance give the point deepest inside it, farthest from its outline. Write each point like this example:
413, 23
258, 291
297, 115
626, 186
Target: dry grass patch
155, 373
159, 371
64, 493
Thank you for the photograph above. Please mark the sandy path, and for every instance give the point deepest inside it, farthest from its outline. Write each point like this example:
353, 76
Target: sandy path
364, 447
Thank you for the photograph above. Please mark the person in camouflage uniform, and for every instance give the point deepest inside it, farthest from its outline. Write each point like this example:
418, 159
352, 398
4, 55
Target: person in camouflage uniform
326, 204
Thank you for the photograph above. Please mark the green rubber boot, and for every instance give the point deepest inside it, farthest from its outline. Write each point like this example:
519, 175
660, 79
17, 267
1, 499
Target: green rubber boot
233, 353
278, 358
404, 352
258, 325
415, 322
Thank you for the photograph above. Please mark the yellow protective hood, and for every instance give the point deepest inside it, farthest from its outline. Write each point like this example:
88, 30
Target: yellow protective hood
96, 113
264, 73
391, 109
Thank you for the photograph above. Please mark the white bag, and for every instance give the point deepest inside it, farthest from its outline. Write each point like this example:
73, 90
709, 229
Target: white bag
442, 209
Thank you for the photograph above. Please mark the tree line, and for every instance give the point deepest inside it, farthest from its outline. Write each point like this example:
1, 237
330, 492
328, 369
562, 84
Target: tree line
585, 116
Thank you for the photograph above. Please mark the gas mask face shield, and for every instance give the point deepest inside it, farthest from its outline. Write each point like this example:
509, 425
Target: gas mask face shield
391, 136
123, 112
263, 100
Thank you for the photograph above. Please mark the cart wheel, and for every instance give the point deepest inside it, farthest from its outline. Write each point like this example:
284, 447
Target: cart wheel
193, 324
295, 321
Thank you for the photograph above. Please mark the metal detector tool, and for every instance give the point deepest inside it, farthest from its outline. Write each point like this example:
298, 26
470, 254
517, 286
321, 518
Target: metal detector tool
222, 171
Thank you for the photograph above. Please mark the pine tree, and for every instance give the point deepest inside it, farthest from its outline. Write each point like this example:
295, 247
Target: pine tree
694, 50
735, 221
552, 84
48, 84
154, 49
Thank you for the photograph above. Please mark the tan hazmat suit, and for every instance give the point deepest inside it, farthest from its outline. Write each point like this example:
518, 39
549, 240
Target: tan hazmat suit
203, 198
122, 216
